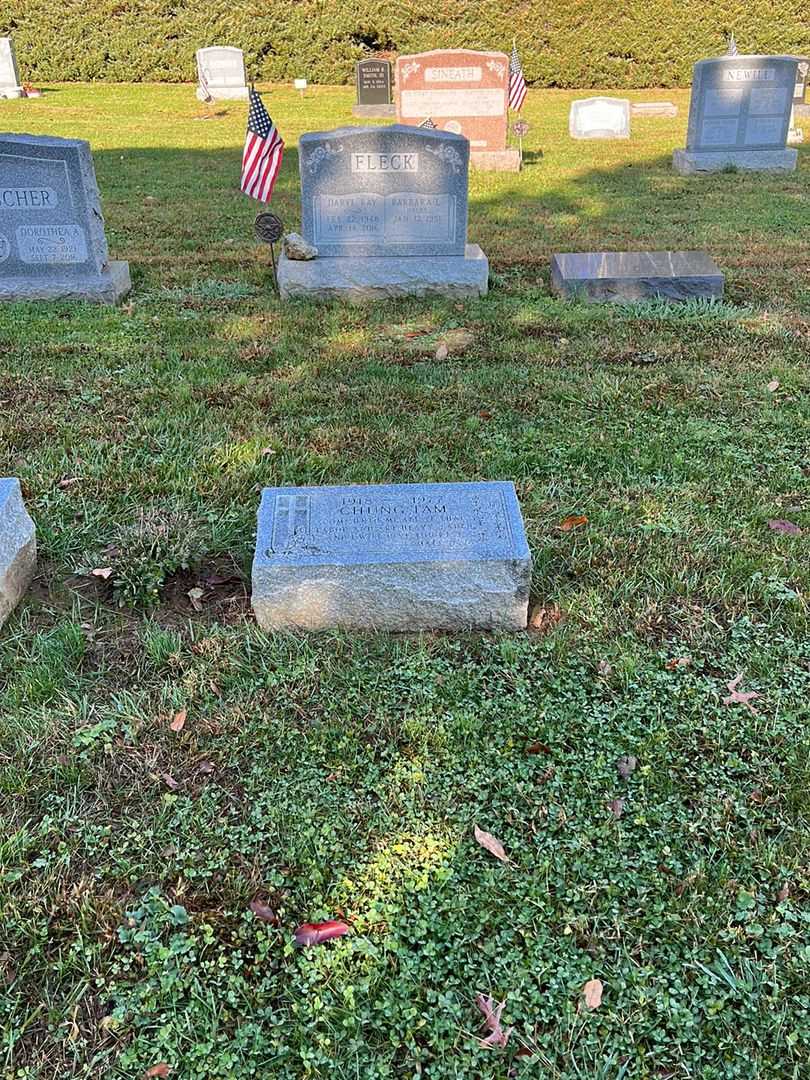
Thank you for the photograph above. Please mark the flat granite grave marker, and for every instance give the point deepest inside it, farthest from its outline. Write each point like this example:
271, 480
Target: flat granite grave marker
386, 208
463, 92
18, 547
52, 244
10, 86
599, 118
222, 69
739, 115
373, 81
392, 557
625, 276
653, 108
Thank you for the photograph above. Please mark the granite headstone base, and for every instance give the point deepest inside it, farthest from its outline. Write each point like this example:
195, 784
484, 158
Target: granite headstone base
495, 160
357, 279
372, 111
690, 162
394, 557
795, 136
108, 287
18, 547
11, 92
653, 108
627, 276
224, 93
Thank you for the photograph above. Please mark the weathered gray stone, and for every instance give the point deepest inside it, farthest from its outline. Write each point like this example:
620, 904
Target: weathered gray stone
296, 248
391, 557
10, 86
802, 111
653, 108
618, 276
373, 81
689, 162
372, 112
52, 243
18, 547
221, 68
495, 160
362, 279
599, 118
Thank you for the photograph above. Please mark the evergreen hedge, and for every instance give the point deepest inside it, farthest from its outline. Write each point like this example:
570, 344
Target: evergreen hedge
565, 43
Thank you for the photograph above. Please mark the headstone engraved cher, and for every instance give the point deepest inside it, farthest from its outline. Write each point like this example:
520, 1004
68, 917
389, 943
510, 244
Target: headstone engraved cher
391, 557
373, 80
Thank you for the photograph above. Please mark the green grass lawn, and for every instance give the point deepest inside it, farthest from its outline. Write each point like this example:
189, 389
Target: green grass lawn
341, 776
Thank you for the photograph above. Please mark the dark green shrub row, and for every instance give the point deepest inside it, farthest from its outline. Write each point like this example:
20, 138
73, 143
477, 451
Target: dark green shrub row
566, 43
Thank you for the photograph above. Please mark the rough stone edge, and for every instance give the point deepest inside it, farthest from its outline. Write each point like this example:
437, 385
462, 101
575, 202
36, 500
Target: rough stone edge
109, 287
615, 290
16, 575
374, 111
695, 162
495, 160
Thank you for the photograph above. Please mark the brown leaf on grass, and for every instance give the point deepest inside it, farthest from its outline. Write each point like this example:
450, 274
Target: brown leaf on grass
492, 1020
604, 668
68, 482
678, 662
206, 768
740, 697
169, 781
773, 385
315, 933
783, 526
756, 797
195, 596
538, 747
626, 765
263, 912
543, 619
157, 1070
8, 972
573, 521
442, 351
491, 843
485, 414
592, 993
178, 721
103, 572
783, 893
616, 807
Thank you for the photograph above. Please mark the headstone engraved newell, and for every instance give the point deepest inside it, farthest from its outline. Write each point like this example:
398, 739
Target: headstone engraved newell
222, 69
463, 92
18, 547
739, 114
52, 243
374, 83
10, 85
626, 276
386, 207
599, 118
391, 557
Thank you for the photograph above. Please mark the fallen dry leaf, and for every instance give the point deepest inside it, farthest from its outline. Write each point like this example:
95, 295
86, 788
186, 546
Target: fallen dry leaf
626, 765
604, 668
740, 697
195, 596
157, 1070
103, 572
485, 414
616, 807
492, 1019
169, 781
315, 933
206, 768
678, 662
491, 843
544, 619
573, 521
69, 481
592, 993
442, 352
178, 721
783, 526
537, 747
263, 912
783, 893
773, 385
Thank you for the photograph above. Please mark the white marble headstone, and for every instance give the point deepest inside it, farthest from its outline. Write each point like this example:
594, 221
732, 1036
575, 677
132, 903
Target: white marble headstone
10, 86
600, 118
221, 68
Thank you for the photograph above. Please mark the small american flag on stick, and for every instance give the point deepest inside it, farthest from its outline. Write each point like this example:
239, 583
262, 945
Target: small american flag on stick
731, 48
517, 84
427, 123
205, 92
264, 149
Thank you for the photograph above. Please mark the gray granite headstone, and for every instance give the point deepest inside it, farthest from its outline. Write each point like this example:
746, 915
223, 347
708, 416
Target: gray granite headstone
391, 557
222, 69
52, 243
739, 114
18, 547
10, 86
599, 118
618, 276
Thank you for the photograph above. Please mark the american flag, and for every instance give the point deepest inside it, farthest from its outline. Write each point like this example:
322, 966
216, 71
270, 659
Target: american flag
264, 148
731, 50
427, 123
517, 84
204, 89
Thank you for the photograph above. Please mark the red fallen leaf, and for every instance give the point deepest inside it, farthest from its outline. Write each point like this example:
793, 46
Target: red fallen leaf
592, 993
263, 912
179, 721
315, 933
740, 697
492, 1019
573, 521
157, 1070
485, 414
783, 526
678, 662
538, 748
491, 843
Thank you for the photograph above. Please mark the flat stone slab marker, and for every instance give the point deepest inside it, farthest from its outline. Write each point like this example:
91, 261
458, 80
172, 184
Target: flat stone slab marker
392, 557
602, 276
18, 547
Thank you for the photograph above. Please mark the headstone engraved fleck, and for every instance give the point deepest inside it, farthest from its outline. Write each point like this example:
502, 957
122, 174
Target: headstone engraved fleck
599, 118
18, 547
221, 68
373, 79
739, 115
10, 85
52, 242
391, 557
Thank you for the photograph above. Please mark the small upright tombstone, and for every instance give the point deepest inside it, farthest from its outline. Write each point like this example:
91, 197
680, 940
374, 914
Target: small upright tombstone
463, 92
392, 557
599, 118
52, 243
739, 115
386, 208
10, 86
800, 107
373, 79
221, 69
18, 547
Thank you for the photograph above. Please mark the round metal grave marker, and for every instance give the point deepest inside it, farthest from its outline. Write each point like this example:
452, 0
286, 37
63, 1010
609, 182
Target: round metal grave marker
268, 228
520, 128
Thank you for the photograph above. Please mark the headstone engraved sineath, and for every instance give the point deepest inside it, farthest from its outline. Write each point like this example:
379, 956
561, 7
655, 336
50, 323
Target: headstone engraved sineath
52, 243
626, 276
391, 557
10, 86
739, 115
599, 118
373, 79
463, 92
18, 547
222, 69
386, 207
